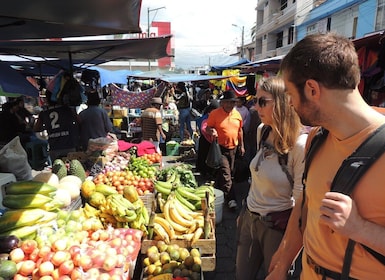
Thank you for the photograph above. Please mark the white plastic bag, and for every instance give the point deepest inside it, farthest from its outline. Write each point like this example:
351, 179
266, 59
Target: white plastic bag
14, 159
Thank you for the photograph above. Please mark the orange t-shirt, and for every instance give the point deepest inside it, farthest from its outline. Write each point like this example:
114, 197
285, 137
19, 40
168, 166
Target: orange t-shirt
325, 247
228, 126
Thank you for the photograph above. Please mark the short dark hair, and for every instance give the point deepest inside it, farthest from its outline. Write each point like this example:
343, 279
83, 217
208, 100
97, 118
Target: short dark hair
93, 98
329, 58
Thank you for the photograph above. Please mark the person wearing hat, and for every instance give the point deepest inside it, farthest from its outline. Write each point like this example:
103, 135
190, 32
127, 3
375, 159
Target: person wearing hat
225, 124
151, 122
183, 103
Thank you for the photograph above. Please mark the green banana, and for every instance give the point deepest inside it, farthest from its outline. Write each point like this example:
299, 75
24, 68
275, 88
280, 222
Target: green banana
163, 187
185, 192
187, 204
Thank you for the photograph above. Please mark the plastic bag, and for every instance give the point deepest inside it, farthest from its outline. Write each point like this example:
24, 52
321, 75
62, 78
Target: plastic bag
14, 159
214, 156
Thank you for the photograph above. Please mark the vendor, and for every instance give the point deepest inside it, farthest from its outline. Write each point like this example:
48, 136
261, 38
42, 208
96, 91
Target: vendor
151, 121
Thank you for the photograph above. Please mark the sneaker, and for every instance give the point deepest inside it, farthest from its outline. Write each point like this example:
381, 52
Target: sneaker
232, 204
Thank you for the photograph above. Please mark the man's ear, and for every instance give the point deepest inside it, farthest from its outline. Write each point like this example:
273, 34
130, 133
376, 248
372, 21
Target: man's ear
312, 89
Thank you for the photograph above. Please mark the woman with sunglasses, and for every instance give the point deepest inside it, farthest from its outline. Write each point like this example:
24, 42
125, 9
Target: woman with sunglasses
276, 173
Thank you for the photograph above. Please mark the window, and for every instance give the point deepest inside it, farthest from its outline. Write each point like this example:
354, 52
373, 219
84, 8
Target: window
380, 18
290, 37
283, 4
279, 43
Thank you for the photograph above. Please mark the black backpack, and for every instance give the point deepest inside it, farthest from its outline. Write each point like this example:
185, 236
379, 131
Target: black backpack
347, 176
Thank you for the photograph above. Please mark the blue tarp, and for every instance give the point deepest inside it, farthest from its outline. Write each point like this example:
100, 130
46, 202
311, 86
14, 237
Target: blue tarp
228, 66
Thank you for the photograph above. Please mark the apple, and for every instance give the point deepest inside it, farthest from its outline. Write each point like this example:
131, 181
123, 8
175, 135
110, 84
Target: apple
17, 255
59, 245
104, 276
66, 267
104, 235
98, 258
26, 267
28, 246
93, 273
46, 277
110, 263
85, 262
34, 255
59, 257
76, 274
46, 268
116, 242
74, 249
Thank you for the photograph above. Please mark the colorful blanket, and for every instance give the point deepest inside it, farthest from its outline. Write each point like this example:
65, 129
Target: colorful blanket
131, 99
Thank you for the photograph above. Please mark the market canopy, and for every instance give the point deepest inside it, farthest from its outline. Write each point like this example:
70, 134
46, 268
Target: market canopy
229, 66
43, 19
13, 84
175, 78
89, 51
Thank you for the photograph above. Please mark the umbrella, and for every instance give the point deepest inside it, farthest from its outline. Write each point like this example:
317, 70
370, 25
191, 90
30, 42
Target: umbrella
13, 84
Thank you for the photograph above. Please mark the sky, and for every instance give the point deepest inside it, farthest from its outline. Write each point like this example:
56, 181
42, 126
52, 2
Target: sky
203, 30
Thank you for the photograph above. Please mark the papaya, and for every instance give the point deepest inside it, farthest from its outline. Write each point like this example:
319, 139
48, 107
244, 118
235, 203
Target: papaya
87, 188
130, 193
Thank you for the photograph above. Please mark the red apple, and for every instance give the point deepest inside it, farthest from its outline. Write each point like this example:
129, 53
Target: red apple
27, 267
28, 246
93, 273
76, 274
74, 249
59, 245
85, 262
17, 255
66, 267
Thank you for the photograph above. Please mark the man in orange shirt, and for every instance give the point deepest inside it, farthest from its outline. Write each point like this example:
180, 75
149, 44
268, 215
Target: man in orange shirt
225, 124
321, 75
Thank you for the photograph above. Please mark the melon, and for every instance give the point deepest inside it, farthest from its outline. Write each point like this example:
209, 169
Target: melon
71, 187
64, 196
47, 177
72, 179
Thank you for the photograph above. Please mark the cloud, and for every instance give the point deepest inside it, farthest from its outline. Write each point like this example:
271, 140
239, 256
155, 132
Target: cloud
203, 29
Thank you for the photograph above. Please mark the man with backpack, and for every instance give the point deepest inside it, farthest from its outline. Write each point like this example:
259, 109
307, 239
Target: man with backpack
341, 228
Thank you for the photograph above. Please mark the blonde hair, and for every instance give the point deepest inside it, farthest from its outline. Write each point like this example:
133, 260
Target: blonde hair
286, 124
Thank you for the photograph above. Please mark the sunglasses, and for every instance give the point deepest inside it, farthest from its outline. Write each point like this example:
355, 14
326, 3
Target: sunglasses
262, 101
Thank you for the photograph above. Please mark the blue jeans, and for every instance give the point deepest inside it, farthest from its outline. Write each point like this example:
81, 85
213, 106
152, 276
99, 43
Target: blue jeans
184, 118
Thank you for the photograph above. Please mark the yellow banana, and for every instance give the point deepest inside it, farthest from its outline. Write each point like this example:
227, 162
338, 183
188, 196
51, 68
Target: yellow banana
194, 227
197, 234
185, 213
160, 231
166, 225
185, 236
177, 218
176, 226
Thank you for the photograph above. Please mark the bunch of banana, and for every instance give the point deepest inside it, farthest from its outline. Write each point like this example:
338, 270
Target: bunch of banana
119, 207
191, 198
177, 222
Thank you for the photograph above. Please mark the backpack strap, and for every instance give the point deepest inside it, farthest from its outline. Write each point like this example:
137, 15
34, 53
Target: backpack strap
282, 158
347, 176
349, 173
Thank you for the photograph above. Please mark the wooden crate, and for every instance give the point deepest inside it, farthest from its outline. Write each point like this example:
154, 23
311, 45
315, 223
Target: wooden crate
205, 246
148, 200
208, 262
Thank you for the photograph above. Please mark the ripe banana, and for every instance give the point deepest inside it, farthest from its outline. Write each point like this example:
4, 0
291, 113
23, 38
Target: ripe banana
177, 218
197, 234
193, 227
186, 214
160, 231
166, 225
176, 226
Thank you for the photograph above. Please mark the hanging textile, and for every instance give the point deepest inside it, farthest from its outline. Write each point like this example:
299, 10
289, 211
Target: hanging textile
238, 85
130, 99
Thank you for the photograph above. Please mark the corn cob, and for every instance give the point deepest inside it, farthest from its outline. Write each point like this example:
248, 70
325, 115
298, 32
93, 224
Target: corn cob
29, 187
12, 219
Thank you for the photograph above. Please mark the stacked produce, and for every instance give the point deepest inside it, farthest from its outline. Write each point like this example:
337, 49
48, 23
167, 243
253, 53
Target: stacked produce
172, 259
75, 251
115, 209
179, 206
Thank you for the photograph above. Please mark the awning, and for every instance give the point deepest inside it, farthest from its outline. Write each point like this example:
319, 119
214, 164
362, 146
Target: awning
267, 64
42, 19
88, 52
229, 66
175, 78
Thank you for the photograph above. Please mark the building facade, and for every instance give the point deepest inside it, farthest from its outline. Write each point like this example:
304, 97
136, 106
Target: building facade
281, 23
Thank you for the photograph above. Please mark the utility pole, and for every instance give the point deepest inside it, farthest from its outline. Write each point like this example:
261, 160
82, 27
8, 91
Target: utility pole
242, 50
148, 27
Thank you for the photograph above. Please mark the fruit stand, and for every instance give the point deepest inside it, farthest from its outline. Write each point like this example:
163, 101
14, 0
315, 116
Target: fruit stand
125, 217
